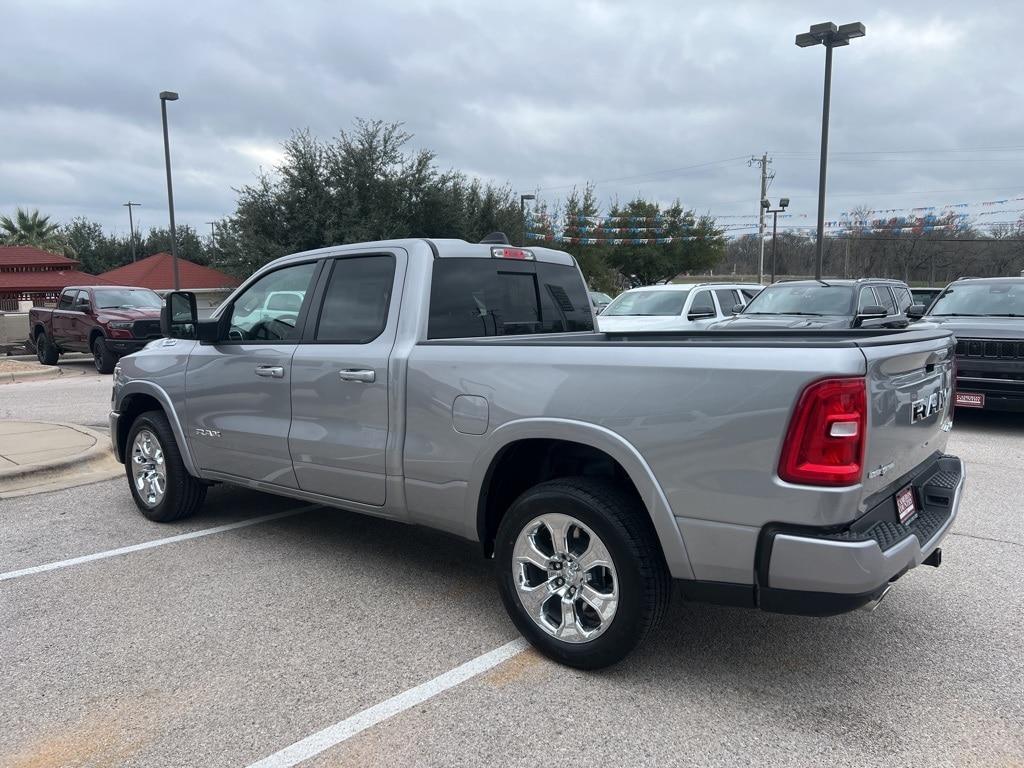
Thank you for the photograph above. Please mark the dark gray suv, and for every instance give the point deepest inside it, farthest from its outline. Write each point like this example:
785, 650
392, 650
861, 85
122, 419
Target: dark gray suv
862, 303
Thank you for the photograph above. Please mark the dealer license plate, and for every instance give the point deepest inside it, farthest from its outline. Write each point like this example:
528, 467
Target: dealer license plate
905, 505
970, 399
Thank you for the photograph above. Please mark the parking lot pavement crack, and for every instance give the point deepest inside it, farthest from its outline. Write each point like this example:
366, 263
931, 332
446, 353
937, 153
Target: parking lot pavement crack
986, 538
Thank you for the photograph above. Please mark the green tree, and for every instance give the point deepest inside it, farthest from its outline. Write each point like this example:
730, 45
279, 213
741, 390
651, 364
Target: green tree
33, 229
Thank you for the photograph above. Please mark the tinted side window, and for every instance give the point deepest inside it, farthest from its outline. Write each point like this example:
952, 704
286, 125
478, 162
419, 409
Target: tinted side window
867, 299
702, 302
355, 308
727, 299
268, 310
497, 297
903, 298
885, 299
66, 300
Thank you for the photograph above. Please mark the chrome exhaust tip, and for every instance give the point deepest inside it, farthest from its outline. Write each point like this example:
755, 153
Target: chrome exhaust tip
875, 602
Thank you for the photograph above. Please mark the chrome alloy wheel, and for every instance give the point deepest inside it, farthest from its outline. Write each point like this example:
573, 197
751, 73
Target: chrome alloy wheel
565, 578
148, 470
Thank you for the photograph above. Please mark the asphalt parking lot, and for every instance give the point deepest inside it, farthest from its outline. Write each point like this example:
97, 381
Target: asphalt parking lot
226, 647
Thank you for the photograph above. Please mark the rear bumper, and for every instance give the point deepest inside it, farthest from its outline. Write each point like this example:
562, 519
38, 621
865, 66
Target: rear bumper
823, 572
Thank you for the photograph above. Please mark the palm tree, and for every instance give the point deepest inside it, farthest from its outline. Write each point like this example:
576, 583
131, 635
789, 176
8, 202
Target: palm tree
32, 229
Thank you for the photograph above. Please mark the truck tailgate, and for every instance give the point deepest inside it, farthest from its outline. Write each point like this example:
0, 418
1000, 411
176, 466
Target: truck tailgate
909, 406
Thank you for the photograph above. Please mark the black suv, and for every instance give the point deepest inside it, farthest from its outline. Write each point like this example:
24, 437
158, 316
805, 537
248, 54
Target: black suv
863, 303
987, 317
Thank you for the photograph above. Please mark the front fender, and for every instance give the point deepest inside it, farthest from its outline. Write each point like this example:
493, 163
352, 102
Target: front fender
602, 439
142, 387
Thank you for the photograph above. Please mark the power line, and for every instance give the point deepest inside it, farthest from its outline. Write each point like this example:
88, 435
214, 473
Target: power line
644, 176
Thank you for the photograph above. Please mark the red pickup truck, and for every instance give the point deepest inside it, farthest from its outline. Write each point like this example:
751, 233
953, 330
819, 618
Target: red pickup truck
108, 320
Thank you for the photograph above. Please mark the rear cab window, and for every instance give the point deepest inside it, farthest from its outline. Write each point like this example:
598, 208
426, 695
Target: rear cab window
472, 297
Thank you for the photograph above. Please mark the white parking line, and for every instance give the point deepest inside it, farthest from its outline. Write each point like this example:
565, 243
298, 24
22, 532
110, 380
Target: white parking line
333, 735
154, 543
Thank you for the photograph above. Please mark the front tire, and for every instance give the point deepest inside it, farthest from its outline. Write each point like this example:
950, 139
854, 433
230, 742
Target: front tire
46, 351
580, 571
163, 489
103, 358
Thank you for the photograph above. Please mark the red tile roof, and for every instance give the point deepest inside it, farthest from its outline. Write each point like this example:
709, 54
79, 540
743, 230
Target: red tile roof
155, 272
30, 256
46, 282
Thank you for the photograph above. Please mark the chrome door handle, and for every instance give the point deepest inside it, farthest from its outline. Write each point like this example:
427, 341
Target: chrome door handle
351, 374
270, 371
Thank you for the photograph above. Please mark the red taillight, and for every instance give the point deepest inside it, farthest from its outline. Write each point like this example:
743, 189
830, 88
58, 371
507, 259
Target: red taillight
827, 434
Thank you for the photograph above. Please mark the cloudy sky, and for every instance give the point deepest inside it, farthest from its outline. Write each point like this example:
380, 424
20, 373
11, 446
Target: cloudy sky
662, 99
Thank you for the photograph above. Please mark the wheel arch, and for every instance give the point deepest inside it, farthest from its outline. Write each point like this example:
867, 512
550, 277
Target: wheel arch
140, 396
94, 334
522, 453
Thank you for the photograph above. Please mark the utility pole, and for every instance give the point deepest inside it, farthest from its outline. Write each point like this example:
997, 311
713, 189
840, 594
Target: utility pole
764, 162
131, 225
213, 241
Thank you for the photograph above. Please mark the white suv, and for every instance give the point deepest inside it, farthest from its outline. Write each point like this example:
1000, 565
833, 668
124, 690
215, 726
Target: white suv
675, 306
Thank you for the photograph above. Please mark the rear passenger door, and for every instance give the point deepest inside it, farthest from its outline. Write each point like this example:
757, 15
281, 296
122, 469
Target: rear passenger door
701, 302
893, 318
340, 375
727, 299
62, 317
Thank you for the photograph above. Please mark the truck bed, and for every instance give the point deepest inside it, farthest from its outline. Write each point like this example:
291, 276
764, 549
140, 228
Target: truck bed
771, 338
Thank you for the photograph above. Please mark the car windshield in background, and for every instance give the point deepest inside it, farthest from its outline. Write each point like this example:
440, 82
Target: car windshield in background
981, 299
127, 298
647, 304
812, 299
600, 298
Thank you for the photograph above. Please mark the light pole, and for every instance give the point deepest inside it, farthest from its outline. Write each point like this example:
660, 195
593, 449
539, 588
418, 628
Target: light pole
831, 36
522, 213
131, 225
166, 96
213, 244
783, 204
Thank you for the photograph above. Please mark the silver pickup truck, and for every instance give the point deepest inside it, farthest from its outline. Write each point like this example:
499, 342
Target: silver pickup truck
462, 387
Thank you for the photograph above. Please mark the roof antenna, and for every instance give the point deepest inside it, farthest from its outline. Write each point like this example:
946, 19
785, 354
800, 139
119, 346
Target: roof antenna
496, 238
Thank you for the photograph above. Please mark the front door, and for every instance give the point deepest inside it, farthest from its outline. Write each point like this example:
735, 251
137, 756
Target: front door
339, 378
238, 397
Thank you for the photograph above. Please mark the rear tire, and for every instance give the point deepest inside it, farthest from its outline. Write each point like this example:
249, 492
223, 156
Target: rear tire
586, 616
46, 351
163, 489
103, 358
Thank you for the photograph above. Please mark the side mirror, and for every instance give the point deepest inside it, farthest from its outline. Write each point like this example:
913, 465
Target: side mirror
179, 316
737, 308
870, 312
916, 311
701, 314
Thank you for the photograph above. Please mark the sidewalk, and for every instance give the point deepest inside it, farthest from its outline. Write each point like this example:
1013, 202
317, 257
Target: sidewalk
42, 456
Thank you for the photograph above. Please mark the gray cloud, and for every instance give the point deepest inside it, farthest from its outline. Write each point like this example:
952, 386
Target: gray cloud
539, 94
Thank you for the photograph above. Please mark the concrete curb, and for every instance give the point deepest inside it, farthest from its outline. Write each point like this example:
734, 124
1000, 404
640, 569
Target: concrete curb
14, 377
67, 356
92, 465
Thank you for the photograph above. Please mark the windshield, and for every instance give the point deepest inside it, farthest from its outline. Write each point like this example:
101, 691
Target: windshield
647, 303
127, 298
992, 299
802, 299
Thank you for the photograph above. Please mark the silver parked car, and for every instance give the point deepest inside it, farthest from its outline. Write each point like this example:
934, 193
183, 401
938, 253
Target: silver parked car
675, 306
462, 387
